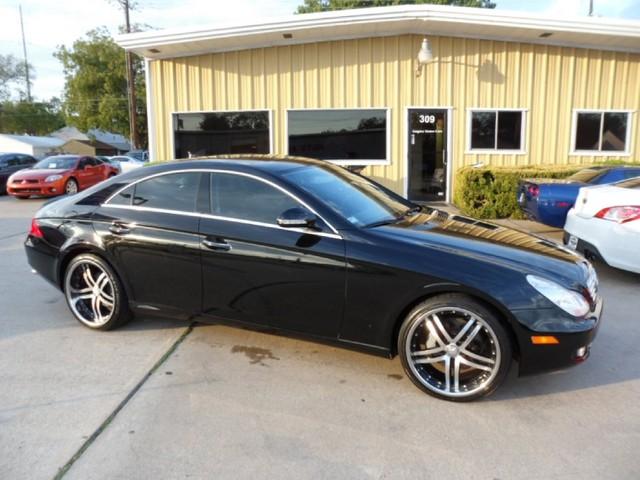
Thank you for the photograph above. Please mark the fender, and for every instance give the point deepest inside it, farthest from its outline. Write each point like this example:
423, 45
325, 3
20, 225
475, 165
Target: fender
87, 243
416, 296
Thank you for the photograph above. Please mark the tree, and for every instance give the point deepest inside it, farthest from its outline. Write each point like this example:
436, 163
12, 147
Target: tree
33, 118
311, 6
12, 72
95, 92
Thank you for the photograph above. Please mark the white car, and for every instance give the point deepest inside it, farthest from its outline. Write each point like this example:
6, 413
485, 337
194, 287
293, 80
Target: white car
605, 223
126, 164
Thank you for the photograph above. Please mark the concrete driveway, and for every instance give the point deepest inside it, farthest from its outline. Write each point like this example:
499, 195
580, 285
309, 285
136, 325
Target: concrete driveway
163, 399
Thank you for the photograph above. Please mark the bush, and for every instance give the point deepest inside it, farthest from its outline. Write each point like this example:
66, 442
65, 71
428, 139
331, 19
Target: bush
491, 192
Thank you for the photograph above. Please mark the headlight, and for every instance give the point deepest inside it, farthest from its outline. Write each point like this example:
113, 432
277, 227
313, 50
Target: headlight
52, 178
571, 302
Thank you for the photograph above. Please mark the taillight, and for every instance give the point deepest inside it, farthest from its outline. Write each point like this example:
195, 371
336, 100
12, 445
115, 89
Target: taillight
620, 214
562, 204
35, 229
534, 190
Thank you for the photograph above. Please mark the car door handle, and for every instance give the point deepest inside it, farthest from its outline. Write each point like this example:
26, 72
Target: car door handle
118, 228
222, 245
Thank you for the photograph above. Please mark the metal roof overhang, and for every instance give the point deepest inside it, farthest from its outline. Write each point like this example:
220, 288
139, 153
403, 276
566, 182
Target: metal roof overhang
583, 32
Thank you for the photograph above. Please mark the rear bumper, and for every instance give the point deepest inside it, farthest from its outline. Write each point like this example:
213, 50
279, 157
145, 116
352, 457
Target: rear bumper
567, 353
614, 244
43, 258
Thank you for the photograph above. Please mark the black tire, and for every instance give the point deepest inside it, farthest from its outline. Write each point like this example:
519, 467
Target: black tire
110, 291
72, 185
423, 346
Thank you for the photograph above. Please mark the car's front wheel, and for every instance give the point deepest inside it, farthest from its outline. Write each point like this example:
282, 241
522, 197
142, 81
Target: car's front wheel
71, 187
95, 294
454, 348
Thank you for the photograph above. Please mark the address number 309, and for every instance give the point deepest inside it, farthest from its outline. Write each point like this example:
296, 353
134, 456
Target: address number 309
427, 118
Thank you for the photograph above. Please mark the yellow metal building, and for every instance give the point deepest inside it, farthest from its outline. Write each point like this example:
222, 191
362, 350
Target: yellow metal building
493, 87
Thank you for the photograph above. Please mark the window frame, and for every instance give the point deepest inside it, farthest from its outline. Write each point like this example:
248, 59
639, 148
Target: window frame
333, 233
523, 150
173, 117
258, 179
346, 162
601, 153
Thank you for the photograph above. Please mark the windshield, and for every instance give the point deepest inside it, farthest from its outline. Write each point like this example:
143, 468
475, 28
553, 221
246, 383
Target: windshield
360, 201
587, 175
55, 163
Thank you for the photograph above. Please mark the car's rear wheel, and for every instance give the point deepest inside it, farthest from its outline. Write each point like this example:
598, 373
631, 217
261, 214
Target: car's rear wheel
71, 187
95, 294
454, 348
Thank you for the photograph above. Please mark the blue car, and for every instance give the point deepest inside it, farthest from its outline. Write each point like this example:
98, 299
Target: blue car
549, 200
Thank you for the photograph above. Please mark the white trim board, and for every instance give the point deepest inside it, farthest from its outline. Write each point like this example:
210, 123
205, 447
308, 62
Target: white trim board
585, 32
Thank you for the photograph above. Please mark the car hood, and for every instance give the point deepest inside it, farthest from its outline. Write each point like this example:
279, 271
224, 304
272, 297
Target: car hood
38, 174
489, 244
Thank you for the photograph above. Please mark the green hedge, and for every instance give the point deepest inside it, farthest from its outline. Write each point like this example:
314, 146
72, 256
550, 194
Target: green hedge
491, 192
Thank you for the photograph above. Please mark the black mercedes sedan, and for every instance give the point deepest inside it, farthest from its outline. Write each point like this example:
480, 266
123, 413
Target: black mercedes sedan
308, 248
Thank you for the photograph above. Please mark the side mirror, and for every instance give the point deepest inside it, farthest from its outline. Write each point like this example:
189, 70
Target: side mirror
296, 218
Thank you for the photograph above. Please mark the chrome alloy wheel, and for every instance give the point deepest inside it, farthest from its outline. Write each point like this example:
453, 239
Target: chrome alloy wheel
452, 351
71, 187
90, 293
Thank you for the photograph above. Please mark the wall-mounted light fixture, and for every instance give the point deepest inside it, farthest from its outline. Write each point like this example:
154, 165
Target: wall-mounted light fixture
425, 55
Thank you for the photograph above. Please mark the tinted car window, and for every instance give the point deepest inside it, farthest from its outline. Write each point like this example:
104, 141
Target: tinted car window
587, 175
238, 196
355, 198
633, 183
176, 191
27, 160
124, 197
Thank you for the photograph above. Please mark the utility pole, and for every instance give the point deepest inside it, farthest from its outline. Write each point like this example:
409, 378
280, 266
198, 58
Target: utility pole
131, 86
26, 63
591, 8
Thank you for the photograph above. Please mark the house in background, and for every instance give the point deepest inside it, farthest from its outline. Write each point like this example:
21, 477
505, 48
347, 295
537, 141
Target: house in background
38, 147
90, 148
494, 87
117, 144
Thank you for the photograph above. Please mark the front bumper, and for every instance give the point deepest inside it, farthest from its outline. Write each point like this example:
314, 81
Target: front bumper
573, 339
43, 189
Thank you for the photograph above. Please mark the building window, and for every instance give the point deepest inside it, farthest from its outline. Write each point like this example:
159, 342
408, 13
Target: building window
496, 130
219, 133
599, 131
348, 136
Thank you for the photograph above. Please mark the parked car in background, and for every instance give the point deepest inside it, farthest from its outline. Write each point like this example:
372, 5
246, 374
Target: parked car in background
140, 155
307, 247
126, 163
605, 224
58, 175
548, 200
11, 163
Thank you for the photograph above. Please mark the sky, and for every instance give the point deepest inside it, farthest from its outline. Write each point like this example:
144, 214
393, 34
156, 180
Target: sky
49, 23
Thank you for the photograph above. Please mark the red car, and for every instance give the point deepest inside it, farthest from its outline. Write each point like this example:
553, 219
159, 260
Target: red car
58, 175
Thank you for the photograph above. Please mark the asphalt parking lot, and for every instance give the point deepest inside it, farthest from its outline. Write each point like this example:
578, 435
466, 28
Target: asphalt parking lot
165, 399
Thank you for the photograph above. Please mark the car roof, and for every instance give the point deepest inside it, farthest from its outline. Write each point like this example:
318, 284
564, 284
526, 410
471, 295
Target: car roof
265, 162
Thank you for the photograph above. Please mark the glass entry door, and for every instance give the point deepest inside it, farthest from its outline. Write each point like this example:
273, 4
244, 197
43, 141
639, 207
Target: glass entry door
427, 154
